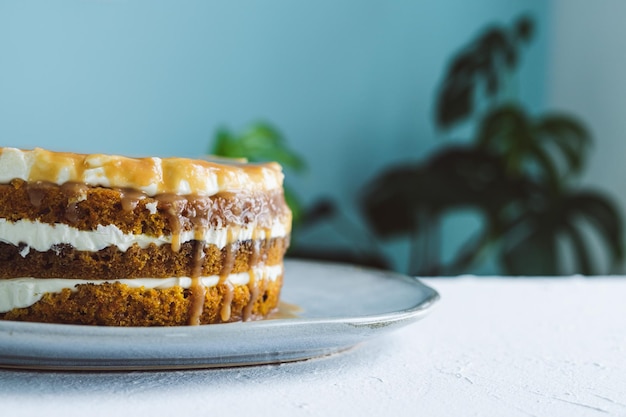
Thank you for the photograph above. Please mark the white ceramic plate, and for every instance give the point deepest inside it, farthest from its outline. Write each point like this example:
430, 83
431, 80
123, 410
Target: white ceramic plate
340, 306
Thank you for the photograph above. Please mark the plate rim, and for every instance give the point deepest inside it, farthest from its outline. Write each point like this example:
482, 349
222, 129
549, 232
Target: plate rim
358, 328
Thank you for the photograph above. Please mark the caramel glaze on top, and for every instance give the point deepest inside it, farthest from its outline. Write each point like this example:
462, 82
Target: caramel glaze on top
150, 175
174, 182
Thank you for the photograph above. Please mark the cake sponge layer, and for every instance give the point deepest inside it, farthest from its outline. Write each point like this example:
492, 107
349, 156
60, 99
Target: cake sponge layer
116, 304
86, 208
152, 261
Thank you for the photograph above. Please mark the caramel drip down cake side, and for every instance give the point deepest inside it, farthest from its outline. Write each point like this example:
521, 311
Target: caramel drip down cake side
89, 254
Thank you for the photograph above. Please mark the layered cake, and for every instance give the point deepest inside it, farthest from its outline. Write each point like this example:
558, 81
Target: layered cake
116, 241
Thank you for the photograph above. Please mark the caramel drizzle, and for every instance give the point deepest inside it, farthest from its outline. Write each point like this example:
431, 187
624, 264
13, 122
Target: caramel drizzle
255, 258
198, 290
37, 194
227, 267
131, 199
286, 311
253, 286
170, 205
75, 192
187, 212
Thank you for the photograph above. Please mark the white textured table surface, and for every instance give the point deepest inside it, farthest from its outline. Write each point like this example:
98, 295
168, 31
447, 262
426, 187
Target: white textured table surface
492, 347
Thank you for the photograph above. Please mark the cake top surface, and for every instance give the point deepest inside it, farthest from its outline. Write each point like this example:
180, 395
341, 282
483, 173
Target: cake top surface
150, 175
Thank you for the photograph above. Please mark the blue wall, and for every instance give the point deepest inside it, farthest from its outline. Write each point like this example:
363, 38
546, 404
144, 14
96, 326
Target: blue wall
350, 83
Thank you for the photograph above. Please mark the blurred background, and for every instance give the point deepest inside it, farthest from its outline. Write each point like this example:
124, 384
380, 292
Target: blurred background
435, 138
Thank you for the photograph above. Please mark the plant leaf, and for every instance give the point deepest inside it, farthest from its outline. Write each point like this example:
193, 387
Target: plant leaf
498, 126
454, 103
496, 48
389, 203
223, 145
483, 62
559, 215
524, 28
260, 142
601, 212
547, 166
533, 254
527, 145
570, 137
581, 253
454, 178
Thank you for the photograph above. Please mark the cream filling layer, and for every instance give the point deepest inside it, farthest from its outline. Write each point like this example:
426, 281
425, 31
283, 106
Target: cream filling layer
24, 292
43, 236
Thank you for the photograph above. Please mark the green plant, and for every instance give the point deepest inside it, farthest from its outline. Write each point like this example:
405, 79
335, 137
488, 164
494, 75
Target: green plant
518, 172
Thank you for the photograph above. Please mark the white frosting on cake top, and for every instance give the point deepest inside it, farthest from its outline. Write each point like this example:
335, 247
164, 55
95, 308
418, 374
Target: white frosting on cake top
150, 175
